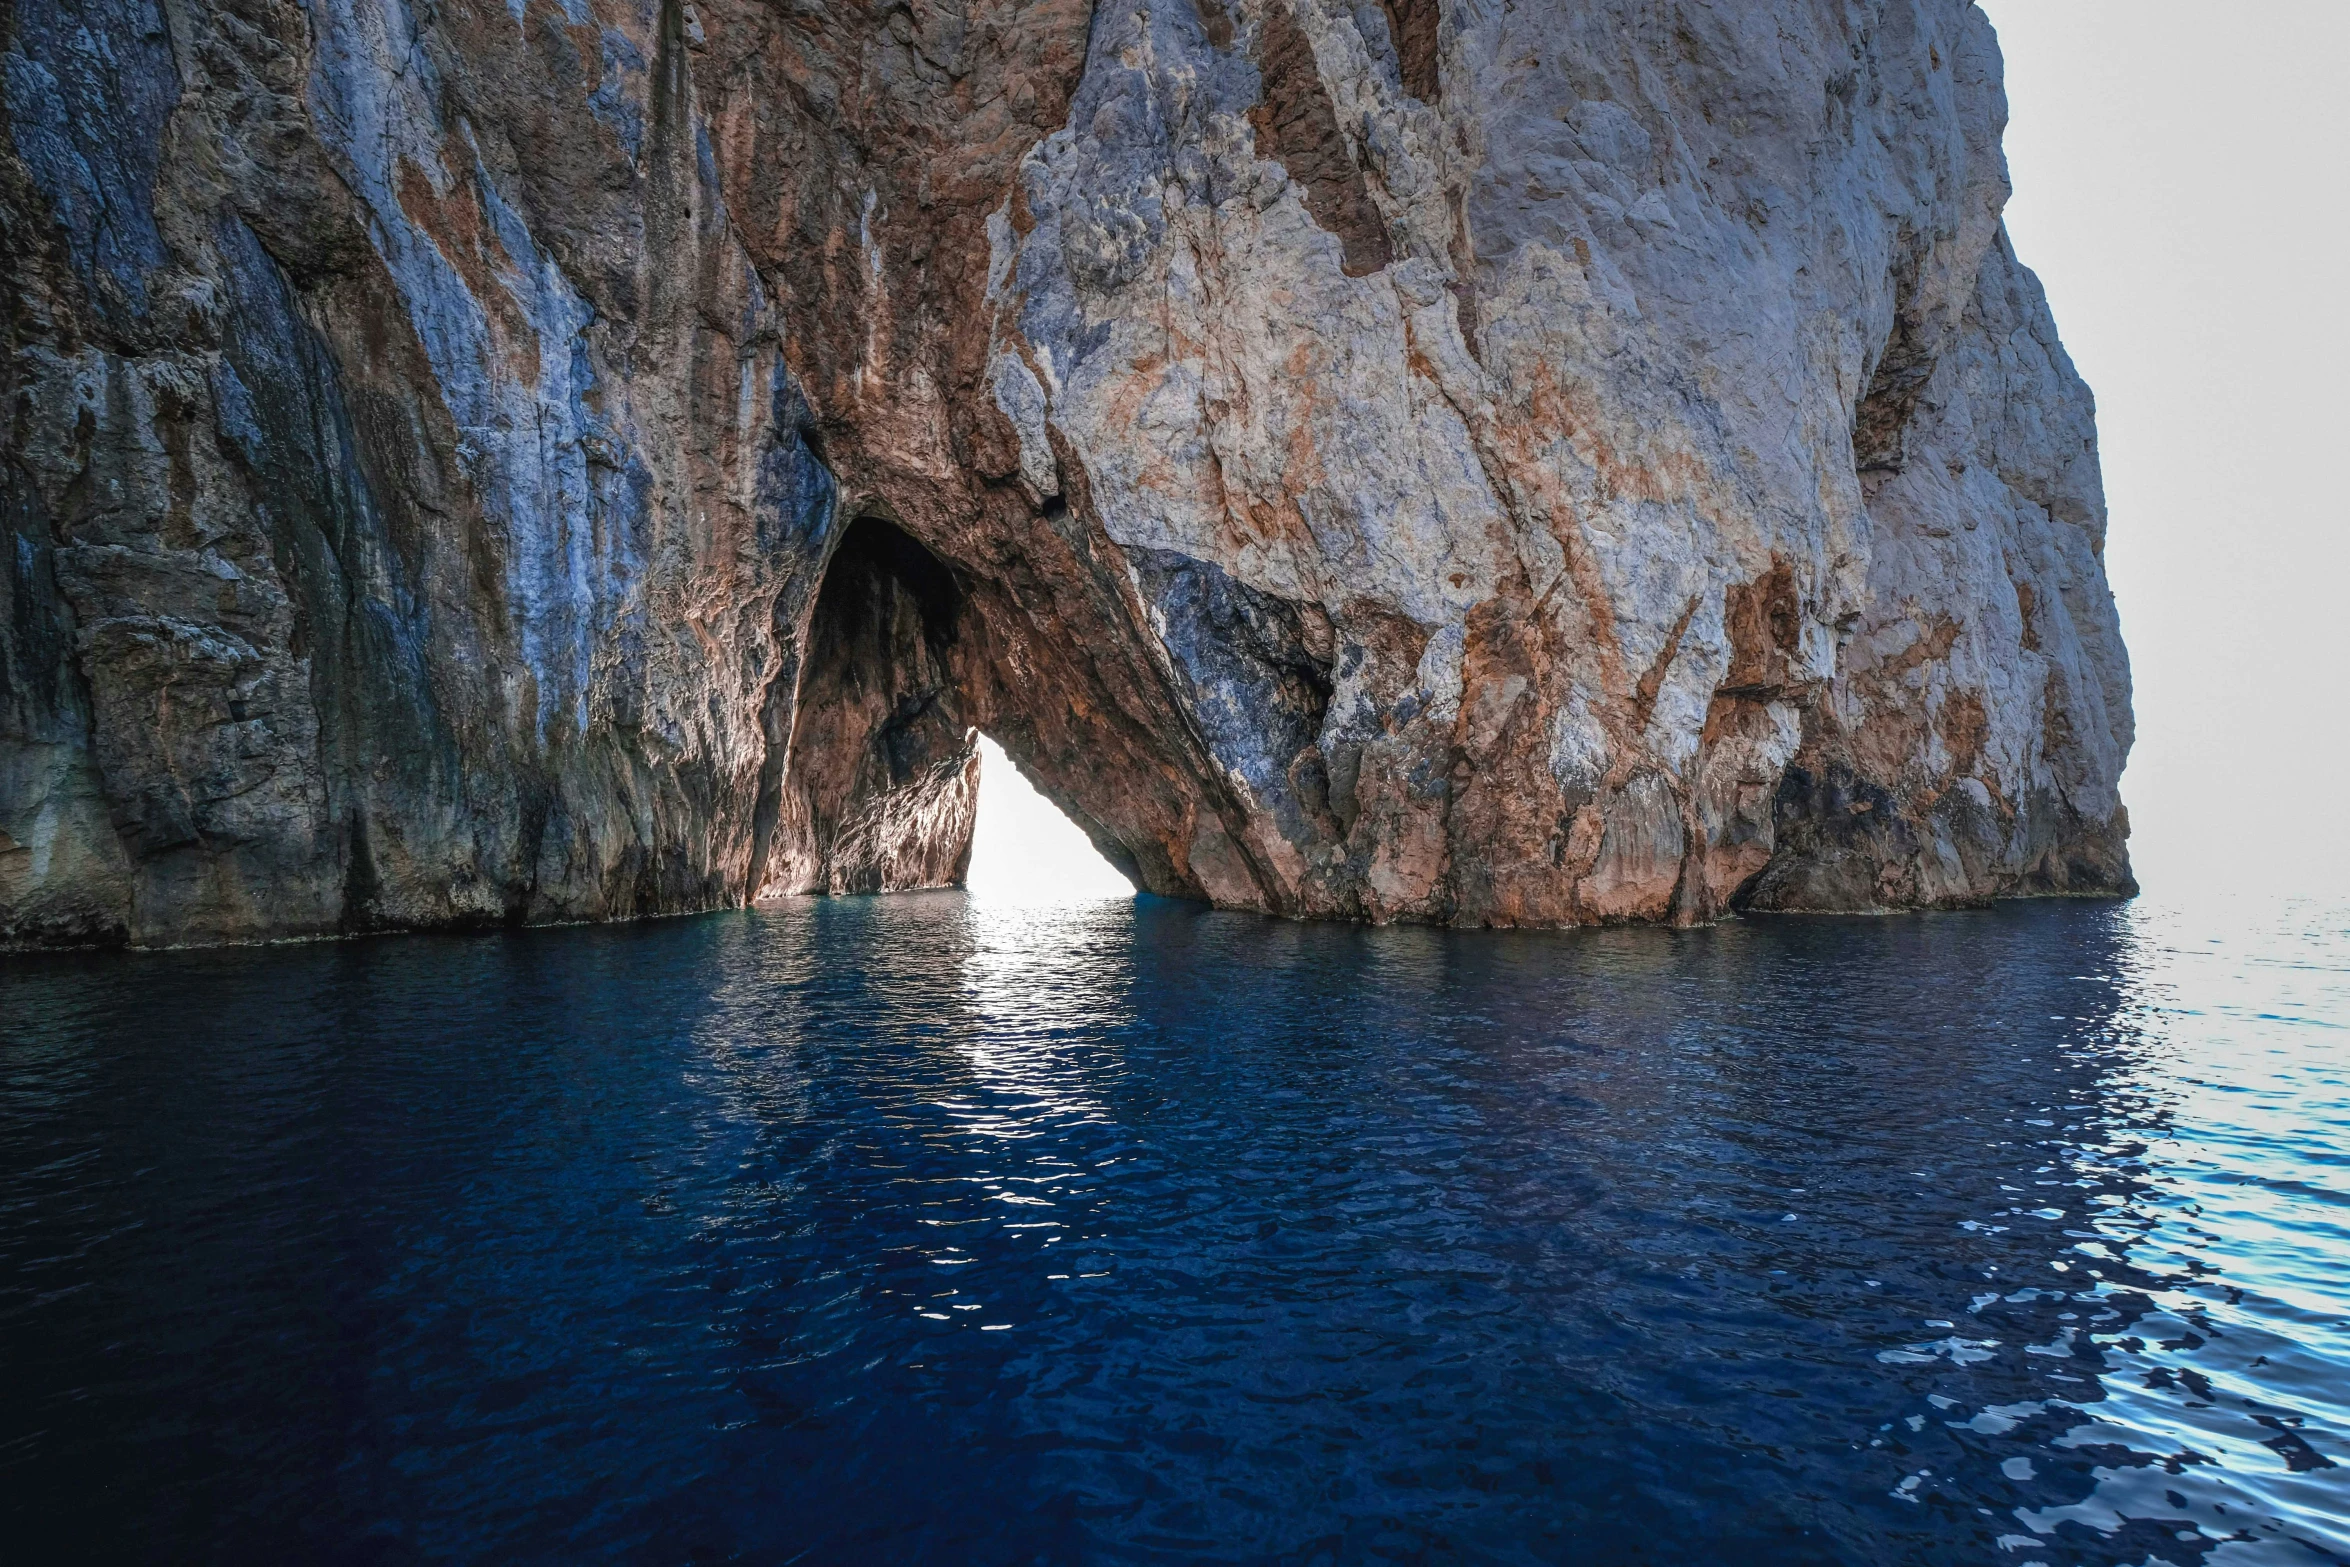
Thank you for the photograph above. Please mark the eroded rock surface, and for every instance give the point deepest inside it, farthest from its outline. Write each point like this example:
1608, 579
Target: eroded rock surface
1407, 459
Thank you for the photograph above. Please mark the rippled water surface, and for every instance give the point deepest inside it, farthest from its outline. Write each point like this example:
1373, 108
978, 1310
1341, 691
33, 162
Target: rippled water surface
923, 1229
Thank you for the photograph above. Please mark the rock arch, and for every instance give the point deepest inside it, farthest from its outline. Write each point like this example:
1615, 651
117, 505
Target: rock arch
1052, 647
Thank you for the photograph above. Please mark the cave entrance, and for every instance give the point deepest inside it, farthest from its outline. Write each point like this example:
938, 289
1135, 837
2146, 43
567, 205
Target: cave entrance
888, 784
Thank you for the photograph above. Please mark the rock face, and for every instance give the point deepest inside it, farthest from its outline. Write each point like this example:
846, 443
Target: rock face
1537, 463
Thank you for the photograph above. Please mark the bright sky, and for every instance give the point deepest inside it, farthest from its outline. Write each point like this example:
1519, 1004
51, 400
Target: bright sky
1025, 850
2182, 175
2182, 186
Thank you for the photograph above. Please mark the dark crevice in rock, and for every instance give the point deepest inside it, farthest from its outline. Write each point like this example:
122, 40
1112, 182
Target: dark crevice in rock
1904, 365
38, 695
880, 788
1836, 831
798, 500
1216, 22
1297, 126
362, 886
1412, 27
1764, 619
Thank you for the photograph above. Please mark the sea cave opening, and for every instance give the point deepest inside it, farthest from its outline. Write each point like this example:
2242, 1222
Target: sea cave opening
891, 781
1025, 849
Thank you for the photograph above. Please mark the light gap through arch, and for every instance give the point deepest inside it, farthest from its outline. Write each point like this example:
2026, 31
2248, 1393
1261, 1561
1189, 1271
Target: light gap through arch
1024, 850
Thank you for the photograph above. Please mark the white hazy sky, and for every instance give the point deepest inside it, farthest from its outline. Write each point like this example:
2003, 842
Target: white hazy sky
1025, 850
2182, 178
2181, 188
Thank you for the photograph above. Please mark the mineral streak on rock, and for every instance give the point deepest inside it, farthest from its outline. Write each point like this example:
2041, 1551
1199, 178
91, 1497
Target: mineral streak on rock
483, 461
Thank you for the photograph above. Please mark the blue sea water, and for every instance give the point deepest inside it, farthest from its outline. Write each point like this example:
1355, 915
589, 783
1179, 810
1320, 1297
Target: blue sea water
926, 1229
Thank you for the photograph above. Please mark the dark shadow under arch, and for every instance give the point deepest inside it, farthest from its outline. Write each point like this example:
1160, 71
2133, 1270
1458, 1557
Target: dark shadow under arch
881, 779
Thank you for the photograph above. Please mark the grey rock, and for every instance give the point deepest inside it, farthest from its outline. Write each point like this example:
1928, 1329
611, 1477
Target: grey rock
1496, 464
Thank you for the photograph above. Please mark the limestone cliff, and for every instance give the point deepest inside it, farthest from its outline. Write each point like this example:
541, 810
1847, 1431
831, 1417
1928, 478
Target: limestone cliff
523, 460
